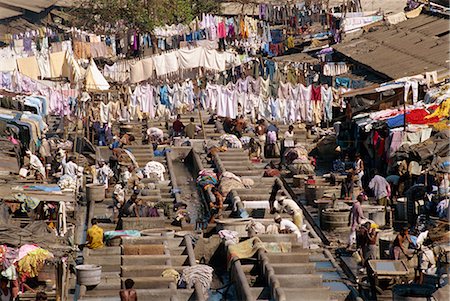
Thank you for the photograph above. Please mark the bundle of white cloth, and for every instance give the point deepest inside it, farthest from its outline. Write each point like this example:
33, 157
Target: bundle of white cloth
198, 274
155, 168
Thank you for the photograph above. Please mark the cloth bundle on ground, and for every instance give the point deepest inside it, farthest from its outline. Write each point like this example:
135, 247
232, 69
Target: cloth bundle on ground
230, 237
143, 249
298, 154
215, 149
155, 168
298, 161
198, 274
171, 273
230, 181
36, 232
207, 178
108, 235
272, 229
7, 256
271, 172
230, 141
256, 227
326, 147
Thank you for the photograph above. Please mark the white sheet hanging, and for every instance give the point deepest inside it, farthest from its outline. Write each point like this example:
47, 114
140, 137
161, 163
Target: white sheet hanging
190, 58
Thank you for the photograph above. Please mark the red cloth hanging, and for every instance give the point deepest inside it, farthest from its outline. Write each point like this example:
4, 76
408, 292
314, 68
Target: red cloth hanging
315, 93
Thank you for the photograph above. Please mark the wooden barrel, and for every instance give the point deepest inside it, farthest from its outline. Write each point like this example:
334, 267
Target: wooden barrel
334, 220
95, 192
312, 193
89, 274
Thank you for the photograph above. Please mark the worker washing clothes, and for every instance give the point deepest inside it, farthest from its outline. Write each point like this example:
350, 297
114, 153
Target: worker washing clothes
94, 236
358, 168
382, 192
36, 166
286, 227
397, 245
287, 205
356, 218
381, 189
347, 187
129, 209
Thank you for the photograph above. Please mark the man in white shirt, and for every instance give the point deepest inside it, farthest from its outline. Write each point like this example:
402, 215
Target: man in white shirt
286, 226
70, 168
287, 205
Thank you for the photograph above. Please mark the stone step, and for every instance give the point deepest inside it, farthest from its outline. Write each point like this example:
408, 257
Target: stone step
104, 251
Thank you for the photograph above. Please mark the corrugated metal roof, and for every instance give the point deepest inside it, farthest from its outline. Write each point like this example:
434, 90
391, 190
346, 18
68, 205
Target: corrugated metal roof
408, 48
14, 8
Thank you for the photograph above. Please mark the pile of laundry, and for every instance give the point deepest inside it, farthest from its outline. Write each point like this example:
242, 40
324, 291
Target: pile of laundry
229, 237
198, 274
24, 262
28, 203
156, 169
67, 182
230, 141
298, 161
171, 273
207, 178
229, 181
